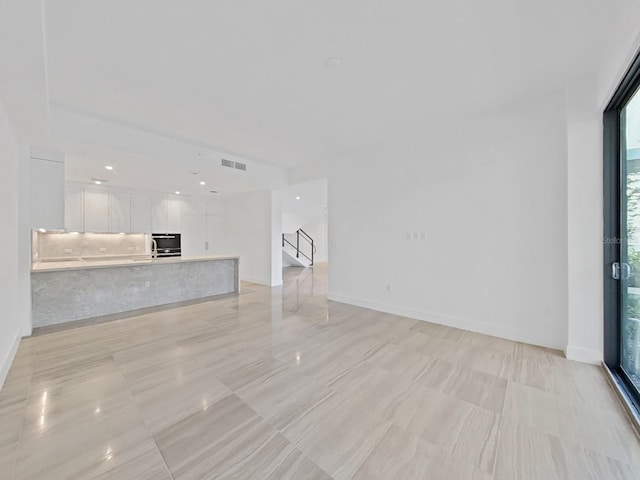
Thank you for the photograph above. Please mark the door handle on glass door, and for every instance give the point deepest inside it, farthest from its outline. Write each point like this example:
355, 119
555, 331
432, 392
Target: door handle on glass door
621, 271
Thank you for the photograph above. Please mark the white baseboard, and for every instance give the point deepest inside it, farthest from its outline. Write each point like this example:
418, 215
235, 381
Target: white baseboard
8, 360
259, 281
531, 337
584, 355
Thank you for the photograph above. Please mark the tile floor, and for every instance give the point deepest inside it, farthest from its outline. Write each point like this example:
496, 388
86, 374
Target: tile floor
281, 384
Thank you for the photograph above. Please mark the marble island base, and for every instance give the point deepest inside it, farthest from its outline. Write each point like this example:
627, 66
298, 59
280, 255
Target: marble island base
65, 295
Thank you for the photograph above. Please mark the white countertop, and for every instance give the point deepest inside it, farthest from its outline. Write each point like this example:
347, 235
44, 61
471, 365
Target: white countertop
80, 264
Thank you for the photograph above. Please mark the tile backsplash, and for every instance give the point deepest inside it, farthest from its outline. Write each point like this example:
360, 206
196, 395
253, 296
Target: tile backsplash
50, 246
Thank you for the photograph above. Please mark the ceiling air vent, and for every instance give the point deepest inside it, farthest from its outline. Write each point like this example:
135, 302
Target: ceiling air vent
241, 166
228, 163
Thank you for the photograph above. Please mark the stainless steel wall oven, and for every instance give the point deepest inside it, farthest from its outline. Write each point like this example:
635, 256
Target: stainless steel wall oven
166, 245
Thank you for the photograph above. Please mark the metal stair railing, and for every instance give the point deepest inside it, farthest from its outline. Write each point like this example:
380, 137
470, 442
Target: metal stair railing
301, 234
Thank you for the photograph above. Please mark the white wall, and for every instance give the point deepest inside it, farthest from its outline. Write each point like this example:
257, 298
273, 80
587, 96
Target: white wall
24, 243
249, 218
490, 195
317, 229
585, 227
302, 202
11, 320
623, 45
23, 100
23, 86
586, 101
276, 238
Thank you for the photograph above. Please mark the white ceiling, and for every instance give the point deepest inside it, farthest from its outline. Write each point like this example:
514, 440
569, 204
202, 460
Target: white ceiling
249, 76
135, 172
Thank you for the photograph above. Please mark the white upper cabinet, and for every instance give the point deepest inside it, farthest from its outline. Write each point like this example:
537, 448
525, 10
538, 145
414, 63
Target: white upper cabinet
96, 211
140, 213
159, 219
119, 212
174, 213
74, 209
47, 192
91, 209
166, 213
193, 206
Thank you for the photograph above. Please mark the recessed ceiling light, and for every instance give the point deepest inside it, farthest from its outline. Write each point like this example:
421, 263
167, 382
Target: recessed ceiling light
203, 183
297, 198
42, 230
177, 192
333, 62
108, 167
97, 182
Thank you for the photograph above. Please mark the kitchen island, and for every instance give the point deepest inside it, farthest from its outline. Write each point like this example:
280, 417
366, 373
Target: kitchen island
79, 289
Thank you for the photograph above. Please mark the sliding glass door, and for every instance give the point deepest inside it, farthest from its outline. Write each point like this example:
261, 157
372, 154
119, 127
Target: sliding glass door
630, 250
622, 234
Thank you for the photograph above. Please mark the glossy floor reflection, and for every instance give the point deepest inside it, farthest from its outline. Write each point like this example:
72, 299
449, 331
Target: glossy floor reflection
282, 384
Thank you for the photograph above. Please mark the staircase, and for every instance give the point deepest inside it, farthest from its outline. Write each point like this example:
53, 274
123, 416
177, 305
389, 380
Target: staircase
298, 249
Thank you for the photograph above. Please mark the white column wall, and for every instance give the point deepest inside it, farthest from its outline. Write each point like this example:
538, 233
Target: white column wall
11, 319
251, 231
585, 224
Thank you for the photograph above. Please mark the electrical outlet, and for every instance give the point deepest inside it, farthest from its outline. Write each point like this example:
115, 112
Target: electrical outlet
389, 287
68, 250
147, 284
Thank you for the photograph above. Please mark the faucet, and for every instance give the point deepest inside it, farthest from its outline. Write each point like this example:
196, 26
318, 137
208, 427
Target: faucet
154, 249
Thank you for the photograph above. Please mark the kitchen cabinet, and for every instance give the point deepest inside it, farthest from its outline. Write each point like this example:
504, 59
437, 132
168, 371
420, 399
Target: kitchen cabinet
214, 242
193, 206
96, 211
74, 209
166, 211
193, 235
174, 213
159, 220
47, 192
140, 213
119, 212
214, 206
202, 234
